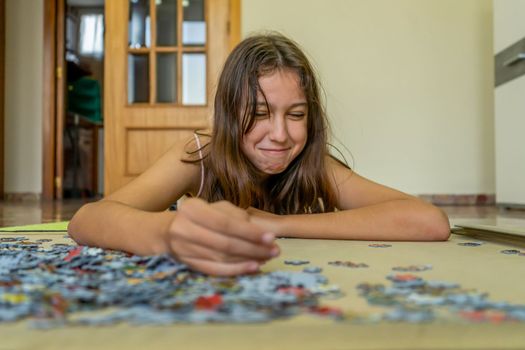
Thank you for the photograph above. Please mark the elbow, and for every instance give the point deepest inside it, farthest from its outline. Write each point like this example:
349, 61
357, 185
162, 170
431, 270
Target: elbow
75, 226
437, 225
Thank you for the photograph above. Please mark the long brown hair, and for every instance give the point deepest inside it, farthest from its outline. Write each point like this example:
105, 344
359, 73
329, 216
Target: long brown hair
304, 186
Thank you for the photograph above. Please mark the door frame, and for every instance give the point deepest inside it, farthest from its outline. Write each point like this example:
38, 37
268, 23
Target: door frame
53, 108
49, 100
234, 23
2, 93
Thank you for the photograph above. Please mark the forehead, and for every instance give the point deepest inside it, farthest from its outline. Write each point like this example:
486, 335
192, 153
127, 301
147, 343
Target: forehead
281, 85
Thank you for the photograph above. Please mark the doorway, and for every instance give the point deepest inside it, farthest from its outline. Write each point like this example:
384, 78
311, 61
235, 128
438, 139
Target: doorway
83, 140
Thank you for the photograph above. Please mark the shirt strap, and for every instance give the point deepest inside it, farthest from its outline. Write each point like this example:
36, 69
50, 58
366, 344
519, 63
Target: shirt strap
197, 140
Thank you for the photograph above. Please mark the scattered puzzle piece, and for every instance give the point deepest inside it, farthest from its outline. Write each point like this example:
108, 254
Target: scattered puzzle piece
296, 262
510, 251
412, 268
312, 269
380, 245
347, 264
470, 244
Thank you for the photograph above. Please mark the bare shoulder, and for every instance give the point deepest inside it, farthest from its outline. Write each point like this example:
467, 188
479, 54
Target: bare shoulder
338, 172
164, 182
197, 146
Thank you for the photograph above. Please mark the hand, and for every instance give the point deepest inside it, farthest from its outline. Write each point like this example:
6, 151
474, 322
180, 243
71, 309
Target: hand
219, 239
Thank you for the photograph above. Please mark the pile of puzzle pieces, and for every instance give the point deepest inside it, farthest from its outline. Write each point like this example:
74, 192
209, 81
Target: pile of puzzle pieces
76, 285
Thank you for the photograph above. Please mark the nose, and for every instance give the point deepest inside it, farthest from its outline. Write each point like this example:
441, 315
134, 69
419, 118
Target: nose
278, 130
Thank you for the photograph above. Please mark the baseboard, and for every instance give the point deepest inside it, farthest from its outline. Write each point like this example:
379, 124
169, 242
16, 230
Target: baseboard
22, 196
436, 199
518, 206
459, 199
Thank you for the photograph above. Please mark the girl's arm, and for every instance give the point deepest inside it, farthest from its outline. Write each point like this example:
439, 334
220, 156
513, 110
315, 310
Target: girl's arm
213, 238
133, 218
368, 211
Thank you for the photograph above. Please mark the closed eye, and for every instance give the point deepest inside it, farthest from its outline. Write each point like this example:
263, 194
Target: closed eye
297, 115
261, 114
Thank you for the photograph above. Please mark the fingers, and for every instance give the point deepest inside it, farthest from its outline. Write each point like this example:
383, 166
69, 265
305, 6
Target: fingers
225, 217
185, 230
186, 250
219, 238
222, 268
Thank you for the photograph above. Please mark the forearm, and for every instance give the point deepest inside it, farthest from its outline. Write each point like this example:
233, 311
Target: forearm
109, 224
410, 220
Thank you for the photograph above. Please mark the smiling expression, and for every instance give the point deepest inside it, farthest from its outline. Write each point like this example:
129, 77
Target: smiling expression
279, 134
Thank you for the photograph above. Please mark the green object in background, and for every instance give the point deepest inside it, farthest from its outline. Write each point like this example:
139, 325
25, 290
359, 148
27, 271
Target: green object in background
49, 227
83, 97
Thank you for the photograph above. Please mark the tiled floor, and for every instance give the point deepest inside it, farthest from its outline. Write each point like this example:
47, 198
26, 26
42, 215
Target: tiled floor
34, 212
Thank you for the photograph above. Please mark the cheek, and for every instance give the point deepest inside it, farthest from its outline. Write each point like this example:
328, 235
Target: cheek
254, 136
248, 143
300, 133
245, 148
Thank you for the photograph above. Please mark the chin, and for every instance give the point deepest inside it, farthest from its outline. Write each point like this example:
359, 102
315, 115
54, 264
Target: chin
274, 171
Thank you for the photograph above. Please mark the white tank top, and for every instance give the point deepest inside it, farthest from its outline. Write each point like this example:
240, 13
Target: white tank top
197, 140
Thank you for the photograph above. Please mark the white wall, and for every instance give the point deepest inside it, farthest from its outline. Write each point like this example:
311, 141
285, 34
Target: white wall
409, 84
509, 21
23, 98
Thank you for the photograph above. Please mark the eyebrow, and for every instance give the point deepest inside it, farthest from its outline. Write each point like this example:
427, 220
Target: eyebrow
293, 105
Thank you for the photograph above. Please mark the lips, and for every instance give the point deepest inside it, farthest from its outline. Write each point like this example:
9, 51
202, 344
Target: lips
274, 151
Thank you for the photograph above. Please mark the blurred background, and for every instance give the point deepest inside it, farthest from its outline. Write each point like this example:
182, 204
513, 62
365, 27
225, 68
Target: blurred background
409, 86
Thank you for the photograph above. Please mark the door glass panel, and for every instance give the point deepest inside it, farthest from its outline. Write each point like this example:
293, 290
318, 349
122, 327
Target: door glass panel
139, 24
138, 78
193, 25
194, 79
167, 77
166, 23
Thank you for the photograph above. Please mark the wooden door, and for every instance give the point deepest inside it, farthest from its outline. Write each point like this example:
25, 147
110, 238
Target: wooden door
151, 97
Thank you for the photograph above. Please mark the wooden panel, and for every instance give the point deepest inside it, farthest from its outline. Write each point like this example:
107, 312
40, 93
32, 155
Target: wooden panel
167, 116
218, 42
48, 105
144, 146
115, 70
234, 23
60, 109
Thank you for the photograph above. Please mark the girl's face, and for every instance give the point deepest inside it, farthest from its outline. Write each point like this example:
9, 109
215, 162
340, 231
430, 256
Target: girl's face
278, 134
